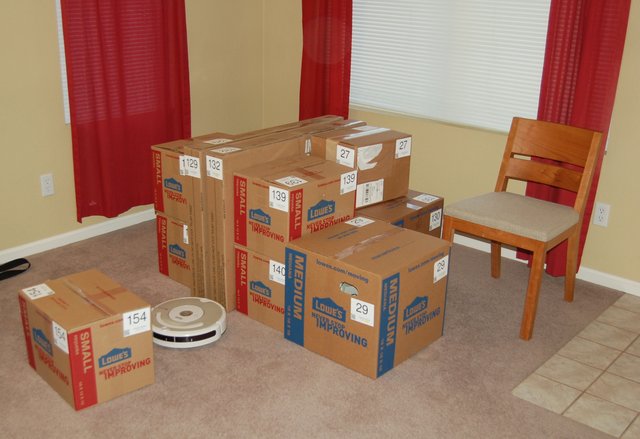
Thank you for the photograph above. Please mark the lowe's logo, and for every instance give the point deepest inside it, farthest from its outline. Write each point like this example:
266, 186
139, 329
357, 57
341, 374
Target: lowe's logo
418, 305
42, 340
260, 288
260, 216
329, 308
114, 356
175, 249
322, 208
173, 184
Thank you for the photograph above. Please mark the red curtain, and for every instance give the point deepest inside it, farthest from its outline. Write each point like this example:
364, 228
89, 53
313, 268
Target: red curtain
585, 41
128, 79
326, 58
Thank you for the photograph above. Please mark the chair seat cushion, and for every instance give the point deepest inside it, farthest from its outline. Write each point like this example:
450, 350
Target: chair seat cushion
514, 213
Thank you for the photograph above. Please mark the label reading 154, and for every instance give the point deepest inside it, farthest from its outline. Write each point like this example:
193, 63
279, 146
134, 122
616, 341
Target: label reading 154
136, 322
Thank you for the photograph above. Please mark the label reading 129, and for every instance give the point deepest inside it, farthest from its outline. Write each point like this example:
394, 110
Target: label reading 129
38, 291
348, 182
277, 272
190, 166
440, 269
136, 322
345, 156
279, 198
214, 167
362, 312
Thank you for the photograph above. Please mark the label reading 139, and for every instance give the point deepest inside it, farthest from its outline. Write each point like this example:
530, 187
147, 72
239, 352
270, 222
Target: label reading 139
136, 322
348, 182
279, 198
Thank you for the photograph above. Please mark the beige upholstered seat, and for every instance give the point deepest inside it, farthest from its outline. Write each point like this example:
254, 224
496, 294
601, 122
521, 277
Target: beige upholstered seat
502, 217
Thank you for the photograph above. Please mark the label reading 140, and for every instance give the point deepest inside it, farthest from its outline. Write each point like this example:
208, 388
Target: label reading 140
214, 167
279, 198
277, 272
136, 322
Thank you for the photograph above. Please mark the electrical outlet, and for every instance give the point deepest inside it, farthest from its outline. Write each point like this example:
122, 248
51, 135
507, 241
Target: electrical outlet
601, 214
46, 185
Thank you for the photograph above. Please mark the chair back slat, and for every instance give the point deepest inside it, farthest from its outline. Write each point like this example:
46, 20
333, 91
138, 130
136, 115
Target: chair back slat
569, 157
545, 173
551, 141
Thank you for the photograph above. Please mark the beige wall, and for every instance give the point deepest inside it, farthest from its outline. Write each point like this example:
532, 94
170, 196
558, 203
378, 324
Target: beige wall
245, 69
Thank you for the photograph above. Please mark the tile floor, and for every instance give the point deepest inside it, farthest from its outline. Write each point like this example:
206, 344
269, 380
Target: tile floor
595, 378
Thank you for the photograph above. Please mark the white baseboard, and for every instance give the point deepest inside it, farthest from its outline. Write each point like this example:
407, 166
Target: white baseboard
584, 273
76, 235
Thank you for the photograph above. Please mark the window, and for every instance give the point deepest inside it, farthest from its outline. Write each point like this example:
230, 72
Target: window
468, 62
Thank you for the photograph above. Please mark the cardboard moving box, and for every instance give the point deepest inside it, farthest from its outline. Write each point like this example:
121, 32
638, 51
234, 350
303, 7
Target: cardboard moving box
176, 245
88, 337
416, 211
381, 156
365, 294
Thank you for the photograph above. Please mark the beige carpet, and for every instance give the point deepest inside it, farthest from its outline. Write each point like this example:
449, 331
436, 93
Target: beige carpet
253, 383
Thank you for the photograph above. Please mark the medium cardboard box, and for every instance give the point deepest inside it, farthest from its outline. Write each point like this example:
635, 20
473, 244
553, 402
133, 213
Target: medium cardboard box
176, 250
88, 337
365, 294
381, 156
277, 202
218, 196
416, 211
260, 287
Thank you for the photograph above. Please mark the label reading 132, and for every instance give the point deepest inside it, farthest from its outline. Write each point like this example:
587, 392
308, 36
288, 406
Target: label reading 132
136, 322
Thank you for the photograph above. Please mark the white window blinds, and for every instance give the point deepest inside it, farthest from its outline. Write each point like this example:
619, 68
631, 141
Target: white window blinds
469, 62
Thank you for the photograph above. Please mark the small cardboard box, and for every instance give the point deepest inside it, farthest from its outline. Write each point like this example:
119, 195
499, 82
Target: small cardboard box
277, 202
88, 337
260, 287
176, 250
381, 156
416, 211
365, 294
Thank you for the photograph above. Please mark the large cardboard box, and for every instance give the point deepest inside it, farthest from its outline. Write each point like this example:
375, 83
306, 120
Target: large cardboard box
417, 211
260, 287
365, 294
381, 156
277, 202
88, 337
176, 245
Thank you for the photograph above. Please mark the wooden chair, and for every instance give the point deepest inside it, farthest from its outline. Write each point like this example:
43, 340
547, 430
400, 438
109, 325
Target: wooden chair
528, 223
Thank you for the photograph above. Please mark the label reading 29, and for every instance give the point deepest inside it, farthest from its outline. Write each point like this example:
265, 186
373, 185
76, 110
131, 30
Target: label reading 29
136, 322
279, 198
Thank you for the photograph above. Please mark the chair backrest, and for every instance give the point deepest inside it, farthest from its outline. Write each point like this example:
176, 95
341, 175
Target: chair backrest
565, 157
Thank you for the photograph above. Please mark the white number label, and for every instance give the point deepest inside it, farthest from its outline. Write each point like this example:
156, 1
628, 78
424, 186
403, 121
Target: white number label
279, 198
403, 147
226, 150
345, 156
277, 272
348, 182
291, 181
426, 198
359, 221
362, 312
190, 166
440, 269
38, 291
435, 219
185, 234
60, 337
218, 141
369, 193
136, 322
214, 167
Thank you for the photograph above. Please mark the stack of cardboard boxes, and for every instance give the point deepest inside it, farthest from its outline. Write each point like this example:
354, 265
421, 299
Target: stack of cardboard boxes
237, 213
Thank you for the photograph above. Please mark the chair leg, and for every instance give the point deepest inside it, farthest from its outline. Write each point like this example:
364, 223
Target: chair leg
447, 229
572, 265
533, 289
496, 248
